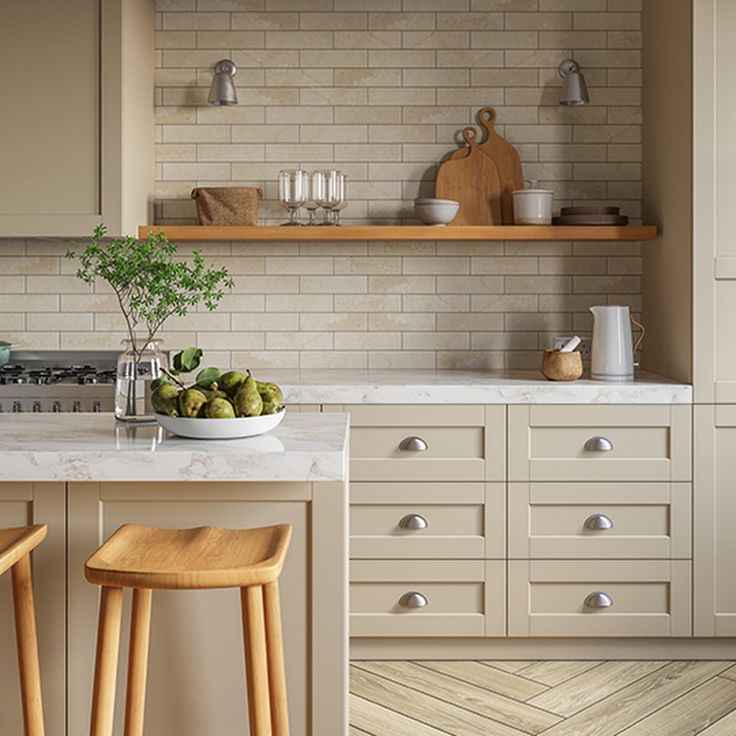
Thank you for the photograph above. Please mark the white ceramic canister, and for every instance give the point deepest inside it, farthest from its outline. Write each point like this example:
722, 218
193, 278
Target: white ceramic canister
532, 206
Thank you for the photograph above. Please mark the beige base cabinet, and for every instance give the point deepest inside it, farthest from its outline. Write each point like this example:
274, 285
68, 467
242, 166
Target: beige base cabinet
36, 503
588, 533
427, 520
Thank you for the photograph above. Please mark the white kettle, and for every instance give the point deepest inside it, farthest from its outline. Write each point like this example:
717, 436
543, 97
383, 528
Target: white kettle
612, 354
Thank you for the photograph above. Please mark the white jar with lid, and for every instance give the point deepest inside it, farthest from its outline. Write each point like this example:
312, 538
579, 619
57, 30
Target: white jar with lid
532, 206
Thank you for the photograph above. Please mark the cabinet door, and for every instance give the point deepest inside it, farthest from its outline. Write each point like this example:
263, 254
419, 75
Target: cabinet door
36, 503
196, 681
714, 514
51, 129
714, 188
77, 129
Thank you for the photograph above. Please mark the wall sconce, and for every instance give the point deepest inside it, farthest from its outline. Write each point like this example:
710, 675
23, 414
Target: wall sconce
222, 91
574, 89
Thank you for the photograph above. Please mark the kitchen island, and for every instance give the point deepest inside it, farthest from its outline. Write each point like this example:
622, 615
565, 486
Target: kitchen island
84, 476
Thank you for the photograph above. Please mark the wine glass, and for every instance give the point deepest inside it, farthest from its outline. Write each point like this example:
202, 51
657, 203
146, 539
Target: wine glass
340, 183
335, 196
293, 192
316, 187
321, 192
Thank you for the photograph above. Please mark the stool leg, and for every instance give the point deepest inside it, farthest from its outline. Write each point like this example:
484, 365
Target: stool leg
140, 630
256, 664
276, 669
106, 664
25, 633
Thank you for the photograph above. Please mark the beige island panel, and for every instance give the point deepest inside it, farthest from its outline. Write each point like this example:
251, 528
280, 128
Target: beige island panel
92, 476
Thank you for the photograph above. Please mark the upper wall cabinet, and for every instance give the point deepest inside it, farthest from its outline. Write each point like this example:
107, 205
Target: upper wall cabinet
77, 125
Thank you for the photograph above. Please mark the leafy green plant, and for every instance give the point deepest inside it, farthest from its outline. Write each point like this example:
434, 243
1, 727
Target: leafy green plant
151, 284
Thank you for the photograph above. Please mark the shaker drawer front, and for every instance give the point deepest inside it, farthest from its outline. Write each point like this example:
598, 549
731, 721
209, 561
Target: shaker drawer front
599, 598
422, 453
600, 520
427, 598
427, 520
417, 531
426, 442
616, 443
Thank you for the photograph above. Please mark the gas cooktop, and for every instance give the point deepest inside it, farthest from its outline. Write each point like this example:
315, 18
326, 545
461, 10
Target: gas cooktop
56, 380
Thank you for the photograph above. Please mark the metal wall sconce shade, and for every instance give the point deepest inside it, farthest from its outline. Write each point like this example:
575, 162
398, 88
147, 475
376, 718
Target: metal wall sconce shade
222, 91
574, 89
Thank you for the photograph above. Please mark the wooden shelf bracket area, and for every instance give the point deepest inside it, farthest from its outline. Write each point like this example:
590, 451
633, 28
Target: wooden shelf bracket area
402, 232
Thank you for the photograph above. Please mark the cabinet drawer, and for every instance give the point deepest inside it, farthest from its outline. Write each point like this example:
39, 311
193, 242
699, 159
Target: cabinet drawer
617, 443
427, 598
568, 598
437, 453
426, 442
427, 520
599, 520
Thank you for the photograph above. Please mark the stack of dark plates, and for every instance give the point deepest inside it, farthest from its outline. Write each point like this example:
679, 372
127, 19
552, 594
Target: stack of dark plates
591, 215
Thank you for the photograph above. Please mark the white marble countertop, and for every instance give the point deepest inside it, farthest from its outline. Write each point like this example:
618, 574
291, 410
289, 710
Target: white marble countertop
94, 447
468, 387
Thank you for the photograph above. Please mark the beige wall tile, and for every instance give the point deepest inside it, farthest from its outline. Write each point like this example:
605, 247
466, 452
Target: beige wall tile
196, 21
379, 88
470, 284
270, 21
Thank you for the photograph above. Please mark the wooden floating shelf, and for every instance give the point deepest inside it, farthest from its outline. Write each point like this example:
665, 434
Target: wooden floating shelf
402, 232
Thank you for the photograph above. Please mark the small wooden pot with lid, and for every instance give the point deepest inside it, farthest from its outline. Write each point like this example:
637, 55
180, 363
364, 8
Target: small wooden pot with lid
557, 366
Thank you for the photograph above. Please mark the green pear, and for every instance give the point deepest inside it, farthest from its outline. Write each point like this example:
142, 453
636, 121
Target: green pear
219, 408
248, 402
270, 406
271, 389
165, 400
231, 381
191, 402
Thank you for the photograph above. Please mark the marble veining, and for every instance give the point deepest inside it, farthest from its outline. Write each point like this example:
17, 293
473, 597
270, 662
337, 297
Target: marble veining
94, 447
469, 387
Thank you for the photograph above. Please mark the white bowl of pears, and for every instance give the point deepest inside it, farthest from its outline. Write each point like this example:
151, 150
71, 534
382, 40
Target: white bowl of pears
218, 406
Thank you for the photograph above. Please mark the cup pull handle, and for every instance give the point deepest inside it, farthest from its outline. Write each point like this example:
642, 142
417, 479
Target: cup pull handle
598, 444
598, 522
413, 521
598, 599
413, 599
413, 444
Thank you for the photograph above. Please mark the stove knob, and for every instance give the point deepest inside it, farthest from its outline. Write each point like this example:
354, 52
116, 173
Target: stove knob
77, 406
97, 407
36, 406
56, 406
17, 407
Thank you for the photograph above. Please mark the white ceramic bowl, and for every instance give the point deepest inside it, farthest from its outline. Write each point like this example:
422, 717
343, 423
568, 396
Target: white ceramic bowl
436, 212
220, 429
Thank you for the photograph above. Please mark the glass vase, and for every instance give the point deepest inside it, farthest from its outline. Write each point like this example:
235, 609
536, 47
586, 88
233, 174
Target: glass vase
136, 369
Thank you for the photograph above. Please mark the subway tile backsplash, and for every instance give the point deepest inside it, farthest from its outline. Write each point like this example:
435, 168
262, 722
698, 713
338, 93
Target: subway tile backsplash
379, 89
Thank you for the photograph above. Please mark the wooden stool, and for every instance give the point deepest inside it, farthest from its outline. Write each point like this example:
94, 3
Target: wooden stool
16, 546
146, 558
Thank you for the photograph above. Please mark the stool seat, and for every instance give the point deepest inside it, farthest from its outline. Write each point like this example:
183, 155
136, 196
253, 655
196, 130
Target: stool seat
18, 542
137, 556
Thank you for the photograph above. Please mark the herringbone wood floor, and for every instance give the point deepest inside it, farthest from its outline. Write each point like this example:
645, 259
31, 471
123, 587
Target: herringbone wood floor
560, 698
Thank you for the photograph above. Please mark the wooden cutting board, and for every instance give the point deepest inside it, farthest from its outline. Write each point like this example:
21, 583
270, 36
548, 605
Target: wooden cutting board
506, 159
471, 178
